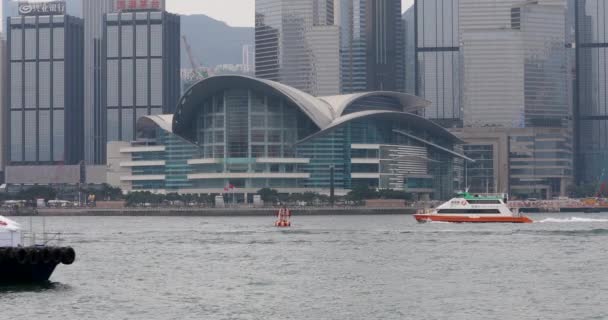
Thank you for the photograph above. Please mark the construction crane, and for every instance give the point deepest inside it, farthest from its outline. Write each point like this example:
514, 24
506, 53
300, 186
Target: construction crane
198, 72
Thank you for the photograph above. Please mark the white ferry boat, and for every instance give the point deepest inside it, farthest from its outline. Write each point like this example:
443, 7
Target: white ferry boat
472, 208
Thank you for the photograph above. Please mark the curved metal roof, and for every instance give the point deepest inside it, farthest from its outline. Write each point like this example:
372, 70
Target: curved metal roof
326, 112
164, 121
317, 110
409, 103
412, 119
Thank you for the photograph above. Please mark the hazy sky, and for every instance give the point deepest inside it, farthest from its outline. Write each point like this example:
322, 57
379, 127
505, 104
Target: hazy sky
238, 13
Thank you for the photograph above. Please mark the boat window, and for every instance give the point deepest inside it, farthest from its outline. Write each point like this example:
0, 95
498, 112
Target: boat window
468, 211
484, 201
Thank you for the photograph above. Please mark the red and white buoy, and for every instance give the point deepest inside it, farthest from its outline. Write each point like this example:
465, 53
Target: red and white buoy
283, 217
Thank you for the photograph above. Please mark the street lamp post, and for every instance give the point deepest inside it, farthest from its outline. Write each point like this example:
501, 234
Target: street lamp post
331, 185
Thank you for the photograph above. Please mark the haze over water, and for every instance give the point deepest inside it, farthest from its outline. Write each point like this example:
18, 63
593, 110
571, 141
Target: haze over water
359, 267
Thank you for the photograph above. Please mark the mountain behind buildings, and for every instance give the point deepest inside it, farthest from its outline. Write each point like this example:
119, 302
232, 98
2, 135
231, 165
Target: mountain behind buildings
213, 42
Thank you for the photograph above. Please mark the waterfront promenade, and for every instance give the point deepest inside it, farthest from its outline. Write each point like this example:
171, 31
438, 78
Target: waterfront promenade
211, 212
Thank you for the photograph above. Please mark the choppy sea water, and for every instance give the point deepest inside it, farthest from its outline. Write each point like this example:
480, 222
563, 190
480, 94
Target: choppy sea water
359, 267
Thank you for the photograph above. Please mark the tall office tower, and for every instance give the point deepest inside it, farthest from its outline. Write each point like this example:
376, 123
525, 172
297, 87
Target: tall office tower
409, 28
248, 58
517, 77
297, 43
2, 98
4, 10
142, 67
372, 45
439, 60
493, 14
591, 113
45, 52
93, 13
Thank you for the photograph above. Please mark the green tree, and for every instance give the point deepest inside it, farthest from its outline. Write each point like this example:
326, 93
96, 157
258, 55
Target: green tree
269, 195
583, 191
362, 192
37, 192
394, 194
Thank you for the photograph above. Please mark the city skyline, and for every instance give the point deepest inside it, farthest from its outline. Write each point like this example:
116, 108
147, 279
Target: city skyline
223, 10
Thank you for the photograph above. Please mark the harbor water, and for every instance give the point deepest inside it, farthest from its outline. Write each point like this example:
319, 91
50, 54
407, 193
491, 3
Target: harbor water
326, 267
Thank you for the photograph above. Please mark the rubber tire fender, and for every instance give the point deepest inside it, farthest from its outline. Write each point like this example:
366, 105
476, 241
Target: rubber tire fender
19, 255
55, 255
33, 255
46, 255
4, 254
68, 255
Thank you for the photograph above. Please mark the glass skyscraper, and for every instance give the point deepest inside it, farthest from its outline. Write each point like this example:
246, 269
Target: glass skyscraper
371, 45
517, 76
142, 58
45, 58
438, 59
93, 14
592, 90
297, 44
409, 28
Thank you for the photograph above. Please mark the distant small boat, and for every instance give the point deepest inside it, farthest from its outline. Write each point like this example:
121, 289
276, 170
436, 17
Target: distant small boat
592, 210
21, 264
468, 208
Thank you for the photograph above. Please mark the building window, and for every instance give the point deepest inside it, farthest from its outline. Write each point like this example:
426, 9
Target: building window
58, 85
16, 85
112, 33
16, 136
30, 85
156, 40
58, 135
44, 83
44, 135
58, 43
127, 82
113, 125
156, 77
141, 82
44, 43
112, 83
16, 44
30, 44
127, 124
127, 41
141, 40
30, 136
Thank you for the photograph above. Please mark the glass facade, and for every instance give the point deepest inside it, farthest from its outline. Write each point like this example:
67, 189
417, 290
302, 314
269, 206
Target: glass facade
44, 50
540, 162
546, 79
240, 126
480, 174
255, 134
409, 28
592, 90
372, 45
438, 59
93, 13
297, 44
141, 68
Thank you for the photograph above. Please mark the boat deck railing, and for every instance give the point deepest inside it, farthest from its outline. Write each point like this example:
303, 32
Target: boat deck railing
29, 238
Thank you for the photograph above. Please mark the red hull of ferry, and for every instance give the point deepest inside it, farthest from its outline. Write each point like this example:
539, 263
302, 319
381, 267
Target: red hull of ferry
466, 219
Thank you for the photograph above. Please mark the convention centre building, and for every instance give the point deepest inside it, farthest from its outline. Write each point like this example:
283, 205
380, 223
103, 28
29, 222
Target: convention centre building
240, 134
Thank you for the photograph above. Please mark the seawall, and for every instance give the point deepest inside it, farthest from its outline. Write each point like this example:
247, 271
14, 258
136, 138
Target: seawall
212, 212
